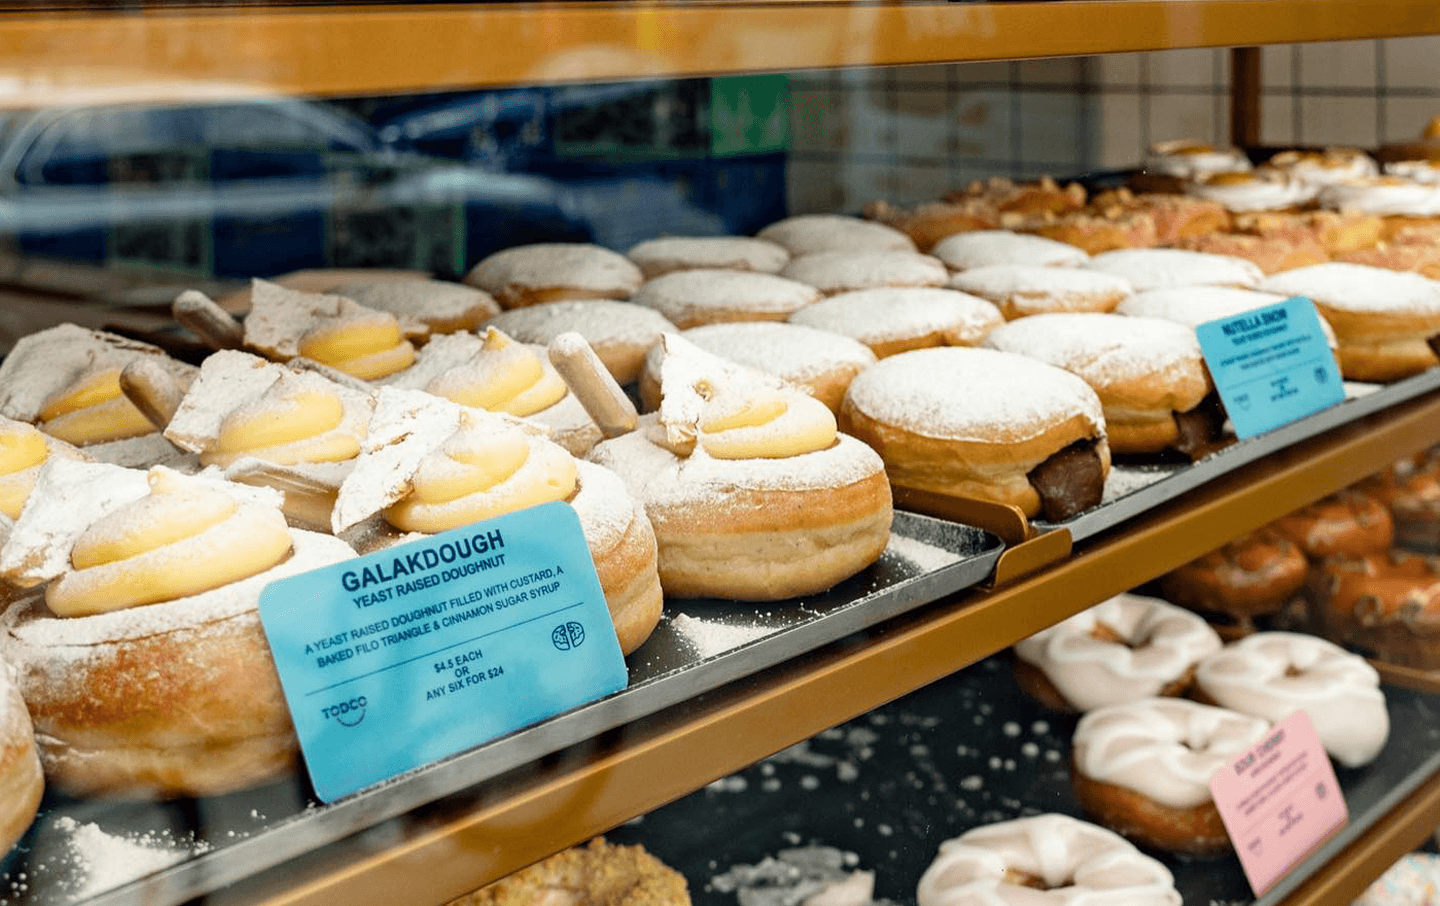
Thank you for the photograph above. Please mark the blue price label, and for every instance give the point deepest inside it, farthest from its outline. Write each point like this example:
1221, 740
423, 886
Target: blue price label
403, 657
1271, 365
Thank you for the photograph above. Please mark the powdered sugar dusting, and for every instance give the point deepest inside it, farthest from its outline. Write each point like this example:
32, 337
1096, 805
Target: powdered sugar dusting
900, 313
709, 638
557, 264
722, 252
847, 269
1000, 282
1194, 305
107, 861
688, 297
805, 233
923, 556
790, 351
599, 321
1155, 268
981, 247
1359, 288
279, 316
1103, 349
604, 506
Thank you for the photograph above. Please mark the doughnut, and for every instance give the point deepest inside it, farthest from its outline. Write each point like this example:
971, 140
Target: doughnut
621, 333
1044, 859
898, 319
1043, 196
657, 257
596, 874
752, 493
23, 450
1271, 254
429, 465
1411, 490
926, 224
1019, 290
1399, 201
1149, 374
1422, 257
1143, 769
1176, 216
554, 271
1253, 575
806, 233
983, 424
1336, 231
1382, 319
845, 270
1415, 878
1274, 674
284, 324
1194, 305
1254, 190
1425, 171
423, 307
1187, 159
1093, 233
981, 247
1159, 268
695, 297
1326, 166
318, 280
21, 781
177, 697
822, 361
1125, 648
494, 373
1385, 604
1345, 524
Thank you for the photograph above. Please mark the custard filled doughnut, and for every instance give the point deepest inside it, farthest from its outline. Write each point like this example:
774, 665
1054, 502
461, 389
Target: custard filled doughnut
21, 781
984, 424
846, 270
364, 343
23, 450
1411, 490
982, 247
657, 257
597, 874
66, 381
1254, 190
1274, 674
753, 494
1143, 769
621, 333
898, 319
926, 224
317, 280
1326, 166
1019, 290
1271, 254
1253, 575
1386, 604
430, 465
160, 680
1126, 648
823, 362
424, 307
1044, 859
1159, 268
1148, 373
1345, 524
695, 297
1382, 318
806, 233
554, 271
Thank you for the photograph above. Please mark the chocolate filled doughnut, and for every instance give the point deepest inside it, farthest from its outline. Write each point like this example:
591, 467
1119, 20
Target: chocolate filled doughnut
1159, 268
692, 298
985, 424
898, 319
848, 270
1253, 575
21, 782
1384, 604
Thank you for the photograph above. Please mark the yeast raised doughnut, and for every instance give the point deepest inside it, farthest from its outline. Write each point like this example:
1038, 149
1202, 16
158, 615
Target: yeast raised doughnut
554, 271
621, 333
1143, 768
423, 307
1274, 674
1411, 490
928, 223
1187, 159
806, 233
695, 297
1043, 196
1176, 217
1253, 575
1044, 859
176, 697
1194, 305
1271, 254
333, 330
656, 257
1386, 604
1019, 290
1157, 268
1422, 257
1345, 524
845, 270
1122, 649
1336, 232
21, 781
1094, 233
897, 319
597, 874
986, 424
981, 247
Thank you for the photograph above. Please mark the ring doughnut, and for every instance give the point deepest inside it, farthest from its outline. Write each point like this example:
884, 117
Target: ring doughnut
1345, 524
1411, 490
1250, 576
596, 874
1386, 604
21, 782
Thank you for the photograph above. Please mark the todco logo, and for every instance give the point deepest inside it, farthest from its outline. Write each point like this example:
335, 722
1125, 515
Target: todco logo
568, 635
347, 713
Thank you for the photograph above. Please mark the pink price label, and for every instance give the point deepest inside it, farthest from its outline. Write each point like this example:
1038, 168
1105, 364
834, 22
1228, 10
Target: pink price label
1279, 801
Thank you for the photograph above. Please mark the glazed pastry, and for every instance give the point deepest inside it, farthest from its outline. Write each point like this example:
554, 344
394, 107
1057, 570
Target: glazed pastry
1345, 524
983, 247
1327, 166
1421, 257
1044, 859
1253, 575
1176, 217
695, 297
1019, 290
429, 465
1187, 159
656, 257
286, 324
21, 781
898, 319
555, 271
423, 307
983, 424
1143, 769
597, 873
1254, 190
1043, 196
1126, 648
1411, 490
621, 333
753, 494
847, 270
1160, 268
1385, 604
823, 362
1093, 233
144, 664
1336, 232
1271, 254
926, 224
1274, 674
806, 233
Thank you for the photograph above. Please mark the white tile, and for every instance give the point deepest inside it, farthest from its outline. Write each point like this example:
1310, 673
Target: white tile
1118, 69
813, 187
1188, 116
1277, 120
1413, 62
1050, 129
1059, 71
1337, 121
1120, 139
1406, 118
914, 185
1277, 66
982, 125
1338, 64
1183, 68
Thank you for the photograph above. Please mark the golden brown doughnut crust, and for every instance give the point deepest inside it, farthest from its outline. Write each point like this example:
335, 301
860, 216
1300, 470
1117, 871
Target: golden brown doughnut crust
927, 224
597, 874
1254, 574
1386, 604
1345, 524
21, 783
1411, 489
1195, 831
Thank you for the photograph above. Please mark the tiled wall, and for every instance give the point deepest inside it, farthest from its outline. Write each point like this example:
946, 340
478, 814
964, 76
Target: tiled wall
908, 134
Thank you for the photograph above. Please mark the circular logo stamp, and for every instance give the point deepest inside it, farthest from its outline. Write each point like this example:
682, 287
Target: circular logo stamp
568, 635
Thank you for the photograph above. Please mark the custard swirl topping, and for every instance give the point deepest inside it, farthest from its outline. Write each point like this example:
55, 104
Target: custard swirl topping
22, 451
505, 377
93, 410
367, 346
291, 422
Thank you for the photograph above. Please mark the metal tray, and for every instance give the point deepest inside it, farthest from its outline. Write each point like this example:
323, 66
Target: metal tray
93, 851
1132, 490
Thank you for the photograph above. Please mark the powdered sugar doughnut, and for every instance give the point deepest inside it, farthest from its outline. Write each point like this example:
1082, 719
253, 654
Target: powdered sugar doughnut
1126, 648
981, 247
1149, 373
21, 781
822, 361
1274, 674
656, 257
1044, 859
806, 233
981, 423
1143, 768
424, 306
552, 271
898, 319
1194, 305
1021, 289
621, 333
696, 297
1382, 318
1157, 268
844, 270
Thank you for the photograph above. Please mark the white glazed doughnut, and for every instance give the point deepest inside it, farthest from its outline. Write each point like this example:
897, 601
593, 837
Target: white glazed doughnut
1384, 195
1327, 166
1274, 674
1120, 650
1187, 158
1257, 190
1045, 860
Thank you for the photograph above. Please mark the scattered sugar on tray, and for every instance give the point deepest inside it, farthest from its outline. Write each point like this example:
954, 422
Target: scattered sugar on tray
732, 784
972, 783
1040, 728
1128, 479
810, 782
814, 875
1030, 750
709, 638
1010, 728
108, 861
1052, 755
922, 556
